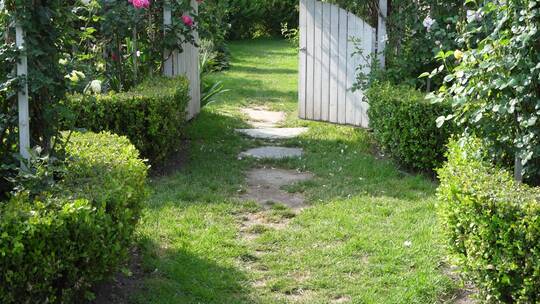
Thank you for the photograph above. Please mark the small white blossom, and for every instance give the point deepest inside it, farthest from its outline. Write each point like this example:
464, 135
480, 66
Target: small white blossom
407, 244
100, 67
75, 76
95, 86
85, 2
428, 23
473, 16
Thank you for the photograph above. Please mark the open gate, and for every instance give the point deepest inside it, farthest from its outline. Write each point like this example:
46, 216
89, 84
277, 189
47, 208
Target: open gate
327, 67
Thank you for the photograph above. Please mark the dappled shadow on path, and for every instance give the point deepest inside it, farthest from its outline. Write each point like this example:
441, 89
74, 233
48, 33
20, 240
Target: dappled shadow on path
189, 278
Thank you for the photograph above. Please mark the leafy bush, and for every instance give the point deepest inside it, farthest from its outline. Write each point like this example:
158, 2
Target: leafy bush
55, 246
492, 224
404, 124
493, 82
151, 115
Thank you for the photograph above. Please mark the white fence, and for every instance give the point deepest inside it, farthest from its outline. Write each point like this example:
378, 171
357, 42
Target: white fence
185, 63
327, 67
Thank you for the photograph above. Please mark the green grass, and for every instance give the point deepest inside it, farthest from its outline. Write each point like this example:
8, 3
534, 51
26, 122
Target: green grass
348, 247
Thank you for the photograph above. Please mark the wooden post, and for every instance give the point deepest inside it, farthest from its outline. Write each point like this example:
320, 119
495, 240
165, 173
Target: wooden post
381, 32
168, 69
24, 116
518, 170
134, 54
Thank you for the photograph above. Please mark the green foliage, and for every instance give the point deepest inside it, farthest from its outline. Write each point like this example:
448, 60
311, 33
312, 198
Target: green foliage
8, 140
210, 88
492, 225
404, 125
494, 83
151, 115
55, 246
49, 31
222, 20
411, 45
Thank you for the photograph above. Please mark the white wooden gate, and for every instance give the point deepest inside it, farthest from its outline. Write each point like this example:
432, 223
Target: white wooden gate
327, 67
185, 63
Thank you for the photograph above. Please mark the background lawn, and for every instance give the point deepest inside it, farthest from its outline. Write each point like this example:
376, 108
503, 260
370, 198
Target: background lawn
370, 235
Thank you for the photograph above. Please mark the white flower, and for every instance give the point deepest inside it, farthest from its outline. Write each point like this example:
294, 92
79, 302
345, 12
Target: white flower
428, 23
138, 53
75, 76
95, 86
63, 61
407, 244
473, 16
100, 66
85, 2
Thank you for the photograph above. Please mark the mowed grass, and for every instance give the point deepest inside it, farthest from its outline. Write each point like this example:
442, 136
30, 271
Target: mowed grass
369, 236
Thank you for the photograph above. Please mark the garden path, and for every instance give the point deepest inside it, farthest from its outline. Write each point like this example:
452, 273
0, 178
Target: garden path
368, 236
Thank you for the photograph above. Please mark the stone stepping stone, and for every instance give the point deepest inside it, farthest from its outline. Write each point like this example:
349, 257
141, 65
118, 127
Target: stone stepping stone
273, 133
264, 187
262, 118
272, 153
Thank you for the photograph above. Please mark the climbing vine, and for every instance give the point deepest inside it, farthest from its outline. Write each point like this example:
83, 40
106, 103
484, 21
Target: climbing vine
79, 46
494, 80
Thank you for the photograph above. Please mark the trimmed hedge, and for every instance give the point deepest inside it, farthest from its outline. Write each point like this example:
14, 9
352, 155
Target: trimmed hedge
404, 124
54, 247
492, 224
151, 115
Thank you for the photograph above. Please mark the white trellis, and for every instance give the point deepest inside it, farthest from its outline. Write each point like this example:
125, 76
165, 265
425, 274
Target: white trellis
185, 63
382, 36
23, 107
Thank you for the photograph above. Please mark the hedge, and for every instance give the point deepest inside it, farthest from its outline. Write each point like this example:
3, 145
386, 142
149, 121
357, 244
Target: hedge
151, 115
492, 225
54, 247
404, 125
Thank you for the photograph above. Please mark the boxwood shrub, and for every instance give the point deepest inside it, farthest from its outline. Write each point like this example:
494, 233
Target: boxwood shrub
492, 224
55, 246
151, 115
404, 125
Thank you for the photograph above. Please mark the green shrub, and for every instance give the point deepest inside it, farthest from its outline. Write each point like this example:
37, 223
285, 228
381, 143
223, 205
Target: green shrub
492, 225
151, 115
8, 140
55, 246
404, 124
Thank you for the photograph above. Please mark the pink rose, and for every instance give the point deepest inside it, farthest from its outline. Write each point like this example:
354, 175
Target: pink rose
187, 20
140, 3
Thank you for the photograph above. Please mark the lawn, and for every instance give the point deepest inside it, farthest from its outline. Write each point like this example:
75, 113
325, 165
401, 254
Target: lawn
369, 236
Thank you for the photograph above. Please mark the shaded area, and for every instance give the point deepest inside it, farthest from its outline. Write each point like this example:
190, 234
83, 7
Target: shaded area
185, 277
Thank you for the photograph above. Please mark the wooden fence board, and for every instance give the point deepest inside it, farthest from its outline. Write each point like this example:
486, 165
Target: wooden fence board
328, 69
